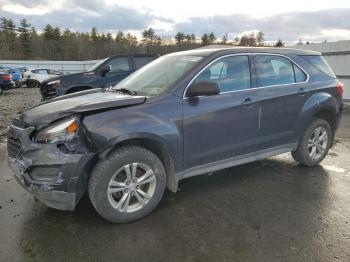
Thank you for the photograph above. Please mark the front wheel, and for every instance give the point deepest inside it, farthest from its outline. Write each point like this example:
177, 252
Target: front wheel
128, 185
314, 144
32, 83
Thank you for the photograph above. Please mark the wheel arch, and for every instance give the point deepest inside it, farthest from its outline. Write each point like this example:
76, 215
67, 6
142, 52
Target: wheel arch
320, 105
151, 143
328, 115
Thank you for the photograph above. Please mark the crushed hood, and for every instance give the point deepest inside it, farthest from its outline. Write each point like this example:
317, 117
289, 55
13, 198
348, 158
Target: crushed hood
82, 102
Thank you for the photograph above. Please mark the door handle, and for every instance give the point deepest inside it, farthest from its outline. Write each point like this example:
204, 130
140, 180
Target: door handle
301, 91
248, 102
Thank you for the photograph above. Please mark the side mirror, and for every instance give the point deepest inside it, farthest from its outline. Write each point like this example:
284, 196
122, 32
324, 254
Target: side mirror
104, 70
204, 88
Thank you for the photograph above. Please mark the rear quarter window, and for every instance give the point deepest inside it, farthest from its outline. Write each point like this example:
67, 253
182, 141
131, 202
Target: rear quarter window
320, 64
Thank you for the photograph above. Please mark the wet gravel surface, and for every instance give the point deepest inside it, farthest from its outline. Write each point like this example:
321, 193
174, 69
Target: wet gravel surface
13, 102
271, 210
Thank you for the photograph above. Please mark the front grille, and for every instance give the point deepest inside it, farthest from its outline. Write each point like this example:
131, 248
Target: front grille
14, 143
48, 91
14, 146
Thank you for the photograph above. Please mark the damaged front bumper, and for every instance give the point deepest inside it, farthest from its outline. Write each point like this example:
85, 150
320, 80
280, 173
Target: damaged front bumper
56, 178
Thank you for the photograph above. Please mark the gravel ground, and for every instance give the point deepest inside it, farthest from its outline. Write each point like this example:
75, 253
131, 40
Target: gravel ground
14, 102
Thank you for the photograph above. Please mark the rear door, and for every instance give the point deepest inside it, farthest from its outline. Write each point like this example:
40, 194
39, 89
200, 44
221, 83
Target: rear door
282, 93
221, 126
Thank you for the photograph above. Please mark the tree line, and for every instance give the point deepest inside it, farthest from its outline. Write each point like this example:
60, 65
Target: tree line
53, 43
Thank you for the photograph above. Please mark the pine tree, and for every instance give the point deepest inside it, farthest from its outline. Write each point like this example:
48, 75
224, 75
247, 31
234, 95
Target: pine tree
193, 38
48, 32
56, 34
149, 36
212, 38
180, 38
33, 32
279, 43
224, 39
260, 38
120, 38
188, 38
94, 35
25, 37
8, 33
205, 39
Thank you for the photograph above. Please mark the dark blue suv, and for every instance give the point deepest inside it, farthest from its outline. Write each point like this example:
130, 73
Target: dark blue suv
107, 72
184, 114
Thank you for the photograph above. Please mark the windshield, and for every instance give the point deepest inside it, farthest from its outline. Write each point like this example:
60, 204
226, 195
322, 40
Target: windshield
95, 66
157, 76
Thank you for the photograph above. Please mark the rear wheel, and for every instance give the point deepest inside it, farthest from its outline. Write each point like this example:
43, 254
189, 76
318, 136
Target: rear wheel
314, 144
128, 185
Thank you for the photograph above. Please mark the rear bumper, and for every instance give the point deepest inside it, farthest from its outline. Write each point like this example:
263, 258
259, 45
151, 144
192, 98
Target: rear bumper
338, 117
55, 178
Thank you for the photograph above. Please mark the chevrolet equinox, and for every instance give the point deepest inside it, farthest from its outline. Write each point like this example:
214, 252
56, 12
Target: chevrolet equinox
182, 115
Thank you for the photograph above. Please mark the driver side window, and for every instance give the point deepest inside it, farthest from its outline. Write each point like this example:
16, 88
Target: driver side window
119, 64
230, 73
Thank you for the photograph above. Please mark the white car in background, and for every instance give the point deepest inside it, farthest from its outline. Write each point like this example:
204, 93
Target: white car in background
34, 76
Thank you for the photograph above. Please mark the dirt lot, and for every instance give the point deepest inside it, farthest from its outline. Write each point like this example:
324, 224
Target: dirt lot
271, 210
14, 102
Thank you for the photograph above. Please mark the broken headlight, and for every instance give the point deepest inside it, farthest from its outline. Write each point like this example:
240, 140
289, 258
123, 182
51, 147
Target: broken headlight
64, 131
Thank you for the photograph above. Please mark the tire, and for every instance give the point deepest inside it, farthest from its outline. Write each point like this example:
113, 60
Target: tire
32, 83
307, 153
1, 90
111, 175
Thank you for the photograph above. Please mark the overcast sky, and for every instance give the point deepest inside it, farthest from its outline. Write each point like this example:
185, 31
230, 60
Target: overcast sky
309, 20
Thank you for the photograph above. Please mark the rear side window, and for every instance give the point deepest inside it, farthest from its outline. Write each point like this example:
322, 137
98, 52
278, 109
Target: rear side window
141, 61
299, 75
320, 64
277, 70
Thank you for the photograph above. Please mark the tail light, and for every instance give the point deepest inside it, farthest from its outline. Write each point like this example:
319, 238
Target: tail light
6, 77
340, 89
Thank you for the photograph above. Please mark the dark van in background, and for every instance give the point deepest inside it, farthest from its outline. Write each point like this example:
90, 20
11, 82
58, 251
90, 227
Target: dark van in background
108, 71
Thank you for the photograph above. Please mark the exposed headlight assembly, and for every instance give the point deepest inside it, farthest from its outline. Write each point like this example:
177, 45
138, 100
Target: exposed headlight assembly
64, 131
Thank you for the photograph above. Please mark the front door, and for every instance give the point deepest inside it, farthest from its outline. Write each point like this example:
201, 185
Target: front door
120, 69
221, 126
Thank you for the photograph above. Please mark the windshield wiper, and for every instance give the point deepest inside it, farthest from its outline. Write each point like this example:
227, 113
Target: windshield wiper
126, 91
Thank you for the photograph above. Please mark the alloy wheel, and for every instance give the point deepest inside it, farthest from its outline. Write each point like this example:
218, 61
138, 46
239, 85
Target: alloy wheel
318, 142
131, 187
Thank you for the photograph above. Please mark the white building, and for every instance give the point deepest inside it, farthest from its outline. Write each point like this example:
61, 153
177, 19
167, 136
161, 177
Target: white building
337, 55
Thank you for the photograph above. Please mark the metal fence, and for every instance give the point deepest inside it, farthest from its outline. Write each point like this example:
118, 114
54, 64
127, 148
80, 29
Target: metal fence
67, 67
337, 55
